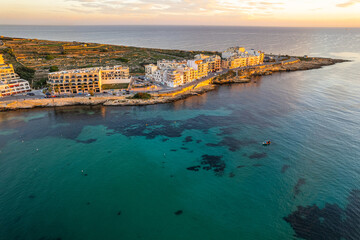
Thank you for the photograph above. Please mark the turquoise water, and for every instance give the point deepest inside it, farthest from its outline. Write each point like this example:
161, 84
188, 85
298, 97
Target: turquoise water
194, 169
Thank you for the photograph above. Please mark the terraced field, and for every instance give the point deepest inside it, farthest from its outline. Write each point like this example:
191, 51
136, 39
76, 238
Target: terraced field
41, 55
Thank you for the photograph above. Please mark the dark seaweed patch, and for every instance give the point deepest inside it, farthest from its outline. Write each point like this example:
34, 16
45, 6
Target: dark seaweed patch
284, 168
210, 162
240, 166
88, 203
173, 150
227, 131
299, 183
184, 148
331, 222
198, 141
257, 165
87, 141
188, 139
119, 213
215, 163
31, 196
165, 139
194, 168
233, 144
231, 174
179, 212
256, 155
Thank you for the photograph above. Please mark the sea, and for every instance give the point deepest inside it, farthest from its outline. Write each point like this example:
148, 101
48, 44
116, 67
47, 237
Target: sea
196, 168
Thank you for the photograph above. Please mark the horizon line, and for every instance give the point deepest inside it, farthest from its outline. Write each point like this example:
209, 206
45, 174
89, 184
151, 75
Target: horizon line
169, 25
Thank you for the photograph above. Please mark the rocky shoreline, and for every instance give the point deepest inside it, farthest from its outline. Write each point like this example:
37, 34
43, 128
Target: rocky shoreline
242, 77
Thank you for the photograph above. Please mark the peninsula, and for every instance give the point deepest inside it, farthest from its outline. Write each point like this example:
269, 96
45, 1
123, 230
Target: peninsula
73, 73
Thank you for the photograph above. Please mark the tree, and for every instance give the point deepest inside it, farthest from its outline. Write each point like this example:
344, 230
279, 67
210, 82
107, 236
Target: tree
50, 89
91, 92
57, 89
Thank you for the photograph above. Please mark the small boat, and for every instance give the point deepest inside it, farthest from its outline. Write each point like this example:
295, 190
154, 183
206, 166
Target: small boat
265, 143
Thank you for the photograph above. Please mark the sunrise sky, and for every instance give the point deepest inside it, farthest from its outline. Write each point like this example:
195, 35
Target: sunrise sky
297, 13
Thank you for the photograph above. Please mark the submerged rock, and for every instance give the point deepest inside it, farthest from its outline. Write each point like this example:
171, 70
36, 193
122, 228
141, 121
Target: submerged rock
299, 183
210, 162
256, 155
179, 212
284, 168
194, 168
188, 139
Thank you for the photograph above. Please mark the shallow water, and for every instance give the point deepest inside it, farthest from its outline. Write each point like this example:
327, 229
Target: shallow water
194, 169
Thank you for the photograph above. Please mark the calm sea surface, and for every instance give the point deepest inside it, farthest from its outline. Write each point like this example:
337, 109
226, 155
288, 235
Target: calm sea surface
194, 169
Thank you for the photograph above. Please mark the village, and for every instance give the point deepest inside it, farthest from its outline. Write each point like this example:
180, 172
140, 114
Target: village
164, 76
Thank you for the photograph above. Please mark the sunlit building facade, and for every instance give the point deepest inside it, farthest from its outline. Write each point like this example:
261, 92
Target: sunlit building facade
10, 82
167, 72
236, 57
87, 79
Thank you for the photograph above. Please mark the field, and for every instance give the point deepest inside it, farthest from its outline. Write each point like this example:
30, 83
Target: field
33, 58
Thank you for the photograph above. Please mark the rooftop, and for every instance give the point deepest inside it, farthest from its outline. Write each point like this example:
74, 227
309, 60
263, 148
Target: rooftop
87, 70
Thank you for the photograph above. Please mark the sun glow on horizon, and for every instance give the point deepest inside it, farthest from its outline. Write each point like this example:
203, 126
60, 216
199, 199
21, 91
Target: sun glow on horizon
297, 13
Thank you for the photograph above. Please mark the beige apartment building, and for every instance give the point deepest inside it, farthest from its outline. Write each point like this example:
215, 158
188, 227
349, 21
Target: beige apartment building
87, 79
10, 82
236, 57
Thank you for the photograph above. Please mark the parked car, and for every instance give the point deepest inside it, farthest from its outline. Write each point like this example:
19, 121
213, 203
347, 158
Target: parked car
30, 94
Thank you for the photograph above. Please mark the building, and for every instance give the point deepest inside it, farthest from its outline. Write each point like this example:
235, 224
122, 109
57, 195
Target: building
236, 57
174, 73
150, 69
213, 62
87, 79
174, 78
10, 82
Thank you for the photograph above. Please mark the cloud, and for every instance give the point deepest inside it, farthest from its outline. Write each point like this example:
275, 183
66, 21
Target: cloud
176, 7
348, 3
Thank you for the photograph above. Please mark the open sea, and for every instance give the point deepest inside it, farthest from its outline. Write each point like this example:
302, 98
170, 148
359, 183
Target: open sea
196, 168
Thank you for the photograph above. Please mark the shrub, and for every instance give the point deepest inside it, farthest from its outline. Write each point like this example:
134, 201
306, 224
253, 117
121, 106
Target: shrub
142, 96
49, 57
39, 83
54, 69
121, 59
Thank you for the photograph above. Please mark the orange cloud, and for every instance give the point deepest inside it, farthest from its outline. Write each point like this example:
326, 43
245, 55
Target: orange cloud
348, 3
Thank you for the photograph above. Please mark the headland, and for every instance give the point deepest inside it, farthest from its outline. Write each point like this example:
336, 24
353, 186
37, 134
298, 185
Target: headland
70, 55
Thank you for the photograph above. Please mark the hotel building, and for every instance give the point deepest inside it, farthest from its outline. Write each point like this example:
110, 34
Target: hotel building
236, 57
173, 74
87, 79
10, 82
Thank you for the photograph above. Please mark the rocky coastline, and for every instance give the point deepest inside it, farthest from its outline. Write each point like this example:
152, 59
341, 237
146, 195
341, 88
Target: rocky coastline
243, 76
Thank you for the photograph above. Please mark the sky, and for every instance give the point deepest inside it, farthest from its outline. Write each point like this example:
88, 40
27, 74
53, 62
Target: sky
285, 13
